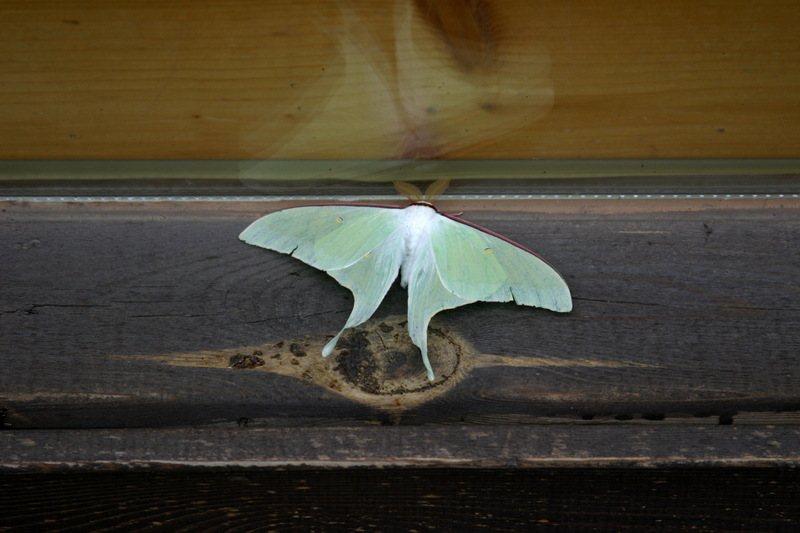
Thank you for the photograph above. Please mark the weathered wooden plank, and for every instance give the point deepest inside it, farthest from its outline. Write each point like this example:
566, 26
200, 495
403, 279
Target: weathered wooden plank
119, 315
699, 499
236, 79
531, 446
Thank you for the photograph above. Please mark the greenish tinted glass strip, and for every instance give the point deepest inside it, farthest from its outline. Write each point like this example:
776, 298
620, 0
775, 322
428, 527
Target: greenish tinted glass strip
359, 180
387, 170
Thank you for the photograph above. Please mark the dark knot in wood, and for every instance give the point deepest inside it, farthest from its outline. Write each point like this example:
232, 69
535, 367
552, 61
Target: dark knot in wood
379, 358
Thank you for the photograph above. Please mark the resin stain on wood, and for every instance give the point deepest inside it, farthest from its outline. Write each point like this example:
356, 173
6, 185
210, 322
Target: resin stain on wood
375, 364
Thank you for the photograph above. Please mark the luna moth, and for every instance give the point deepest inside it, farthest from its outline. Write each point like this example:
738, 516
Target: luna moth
443, 261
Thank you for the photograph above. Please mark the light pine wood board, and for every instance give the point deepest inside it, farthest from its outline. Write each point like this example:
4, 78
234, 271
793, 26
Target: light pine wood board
503, 79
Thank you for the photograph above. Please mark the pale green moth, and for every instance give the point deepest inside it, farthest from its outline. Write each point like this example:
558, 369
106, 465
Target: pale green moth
445, 262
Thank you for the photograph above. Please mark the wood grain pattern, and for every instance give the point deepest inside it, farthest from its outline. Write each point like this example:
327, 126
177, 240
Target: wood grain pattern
407, 500
532, 446
236, 79
681, 310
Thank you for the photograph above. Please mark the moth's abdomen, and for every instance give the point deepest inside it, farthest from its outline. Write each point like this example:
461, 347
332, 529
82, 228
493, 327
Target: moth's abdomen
417, 222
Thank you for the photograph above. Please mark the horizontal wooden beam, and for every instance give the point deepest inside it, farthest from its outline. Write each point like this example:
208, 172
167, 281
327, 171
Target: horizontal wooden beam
538, 446
402, 499
497, 79
130, 315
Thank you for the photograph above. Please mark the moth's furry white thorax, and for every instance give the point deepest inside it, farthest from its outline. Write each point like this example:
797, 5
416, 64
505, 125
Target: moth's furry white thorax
418, 221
